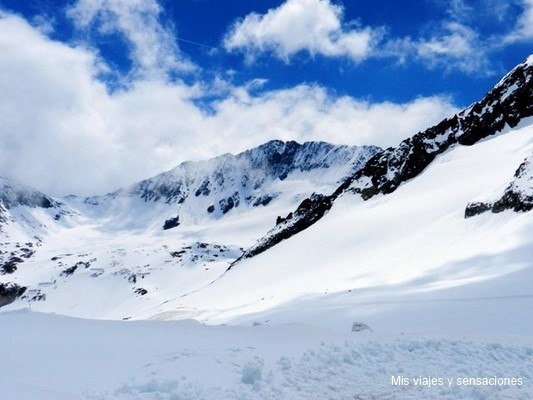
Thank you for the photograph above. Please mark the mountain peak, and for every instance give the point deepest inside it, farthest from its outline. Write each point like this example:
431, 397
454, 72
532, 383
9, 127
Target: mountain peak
252, 178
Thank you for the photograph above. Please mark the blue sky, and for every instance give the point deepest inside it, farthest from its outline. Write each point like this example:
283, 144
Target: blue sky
170, 80
206, 22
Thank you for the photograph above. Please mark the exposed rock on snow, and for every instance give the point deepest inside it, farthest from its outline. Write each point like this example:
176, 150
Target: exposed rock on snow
308, 212
518, 196
9, 292
171, 223
360, 327
510, 101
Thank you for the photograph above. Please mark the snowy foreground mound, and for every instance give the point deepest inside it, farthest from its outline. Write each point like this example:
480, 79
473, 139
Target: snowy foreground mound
60, 358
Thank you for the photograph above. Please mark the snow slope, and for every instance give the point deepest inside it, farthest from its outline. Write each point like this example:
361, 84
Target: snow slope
409, 252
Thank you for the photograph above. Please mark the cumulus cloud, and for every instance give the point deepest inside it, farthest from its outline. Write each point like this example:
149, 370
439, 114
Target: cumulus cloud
318, 27
154, 50
314, 26
71, 135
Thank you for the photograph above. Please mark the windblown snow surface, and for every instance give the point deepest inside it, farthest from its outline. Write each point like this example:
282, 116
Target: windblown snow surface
428, 293
60, 358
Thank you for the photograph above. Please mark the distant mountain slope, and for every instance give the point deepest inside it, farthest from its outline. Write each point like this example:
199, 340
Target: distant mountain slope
27, 209
505, 105
210, 189
13, 194
92, 257
25, 215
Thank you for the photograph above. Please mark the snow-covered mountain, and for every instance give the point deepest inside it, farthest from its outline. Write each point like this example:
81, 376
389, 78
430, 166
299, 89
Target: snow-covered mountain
167, 247
504, 107
206, 190
49, 245
13, 195
24, 215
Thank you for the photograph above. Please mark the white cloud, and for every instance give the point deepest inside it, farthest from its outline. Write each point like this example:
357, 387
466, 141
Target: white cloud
311, 113
523, 30
451, 46
315, 26
43, 24
154, 48
455, 46
458, 9
62, 131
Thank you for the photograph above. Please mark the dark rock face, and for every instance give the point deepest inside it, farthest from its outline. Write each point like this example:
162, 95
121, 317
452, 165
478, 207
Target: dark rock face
229, 203
141, 291
69, 271
10, 265
203, 189
507, 103
512, 200
308, 212
263, 200
226, 204
171, 223
9, 260
518, 196
510, 101
476, 208
9, 292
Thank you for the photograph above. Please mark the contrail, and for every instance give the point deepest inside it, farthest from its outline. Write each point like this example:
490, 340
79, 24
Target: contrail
196, 43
